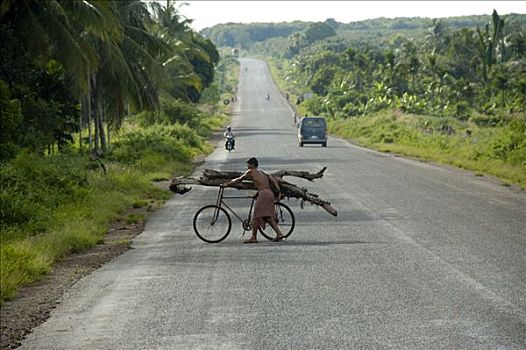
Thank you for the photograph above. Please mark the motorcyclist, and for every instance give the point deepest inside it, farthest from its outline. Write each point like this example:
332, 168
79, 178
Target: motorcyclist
229, 134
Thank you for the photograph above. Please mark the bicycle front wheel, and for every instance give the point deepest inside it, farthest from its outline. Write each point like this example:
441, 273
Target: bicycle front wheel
212, 224
284, 218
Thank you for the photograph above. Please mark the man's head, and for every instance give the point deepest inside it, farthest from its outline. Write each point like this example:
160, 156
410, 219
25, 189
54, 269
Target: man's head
252, 163
229, 128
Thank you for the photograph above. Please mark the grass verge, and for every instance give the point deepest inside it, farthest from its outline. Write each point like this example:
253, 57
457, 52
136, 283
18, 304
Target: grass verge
499, 151
52, 206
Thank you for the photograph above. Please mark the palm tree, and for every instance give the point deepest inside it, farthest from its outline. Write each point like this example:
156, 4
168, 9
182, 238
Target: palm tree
117, 54
491, 42
190, 62
128, 71
58, 29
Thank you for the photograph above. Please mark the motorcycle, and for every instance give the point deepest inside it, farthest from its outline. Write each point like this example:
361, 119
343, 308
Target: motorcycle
229, 144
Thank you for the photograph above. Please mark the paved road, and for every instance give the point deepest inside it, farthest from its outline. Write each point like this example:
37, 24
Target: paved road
419, 257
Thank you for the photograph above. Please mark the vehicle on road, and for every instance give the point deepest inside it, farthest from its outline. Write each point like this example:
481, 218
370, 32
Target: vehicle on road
212, 223
229, 144
312, 130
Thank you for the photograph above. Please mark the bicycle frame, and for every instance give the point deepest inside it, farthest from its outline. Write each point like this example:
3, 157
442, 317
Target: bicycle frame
221, 203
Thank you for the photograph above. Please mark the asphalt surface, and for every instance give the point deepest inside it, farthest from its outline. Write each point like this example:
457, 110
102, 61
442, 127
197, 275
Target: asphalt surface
419, 257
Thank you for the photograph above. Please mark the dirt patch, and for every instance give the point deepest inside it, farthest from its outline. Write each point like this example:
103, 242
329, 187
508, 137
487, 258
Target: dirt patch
34, 303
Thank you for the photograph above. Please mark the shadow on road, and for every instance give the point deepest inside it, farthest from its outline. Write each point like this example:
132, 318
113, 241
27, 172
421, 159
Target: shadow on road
329, 145
344, 216
293, 242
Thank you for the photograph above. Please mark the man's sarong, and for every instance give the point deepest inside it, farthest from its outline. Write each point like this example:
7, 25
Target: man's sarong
264, 207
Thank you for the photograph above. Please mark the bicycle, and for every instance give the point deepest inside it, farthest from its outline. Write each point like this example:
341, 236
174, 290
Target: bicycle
212, 223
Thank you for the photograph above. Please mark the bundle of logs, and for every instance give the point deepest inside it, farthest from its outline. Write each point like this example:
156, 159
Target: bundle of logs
288, 190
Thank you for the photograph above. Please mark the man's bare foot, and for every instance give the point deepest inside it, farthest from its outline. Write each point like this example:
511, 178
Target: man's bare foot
278, 238
251, 240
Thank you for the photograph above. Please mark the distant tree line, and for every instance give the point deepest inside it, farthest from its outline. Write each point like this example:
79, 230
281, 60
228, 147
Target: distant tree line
248, 35
441, 67
448, 72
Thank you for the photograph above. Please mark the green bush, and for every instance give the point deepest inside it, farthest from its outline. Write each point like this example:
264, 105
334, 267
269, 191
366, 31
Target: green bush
33, 186
166, 142
174, 112
411, 104
177, 111
484, 120
42, 221
510, 143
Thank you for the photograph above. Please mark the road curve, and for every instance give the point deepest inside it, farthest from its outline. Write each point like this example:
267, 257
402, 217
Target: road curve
419, 257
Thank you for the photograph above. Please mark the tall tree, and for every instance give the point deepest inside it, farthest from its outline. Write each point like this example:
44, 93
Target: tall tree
491, 41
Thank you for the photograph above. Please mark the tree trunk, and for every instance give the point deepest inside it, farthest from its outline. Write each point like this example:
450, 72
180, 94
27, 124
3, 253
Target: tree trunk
96, 123
289, 190
90, 100
90, 131
102, 134
81, 116
84, 109
108, 138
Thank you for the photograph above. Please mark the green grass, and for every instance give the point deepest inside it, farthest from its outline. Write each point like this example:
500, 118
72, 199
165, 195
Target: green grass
135, 218
499, 151
286, 86
140, 203
75, 224
52, 206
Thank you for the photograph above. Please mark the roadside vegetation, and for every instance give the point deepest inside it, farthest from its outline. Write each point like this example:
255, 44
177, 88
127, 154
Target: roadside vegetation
449, 90
90, 121
499, 151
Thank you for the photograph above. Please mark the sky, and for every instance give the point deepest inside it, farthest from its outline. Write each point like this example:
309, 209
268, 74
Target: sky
209, 13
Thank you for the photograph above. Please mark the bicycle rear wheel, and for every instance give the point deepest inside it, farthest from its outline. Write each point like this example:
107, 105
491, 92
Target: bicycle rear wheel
212, 224
284, 218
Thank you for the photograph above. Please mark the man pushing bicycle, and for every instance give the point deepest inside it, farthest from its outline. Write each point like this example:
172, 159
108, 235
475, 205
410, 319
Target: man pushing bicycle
264, 209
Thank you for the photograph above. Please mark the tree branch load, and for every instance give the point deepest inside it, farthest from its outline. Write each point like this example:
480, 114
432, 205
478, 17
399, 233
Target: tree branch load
216, 178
